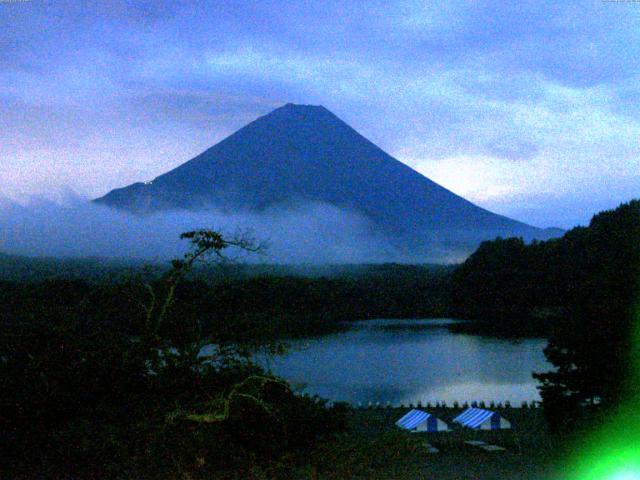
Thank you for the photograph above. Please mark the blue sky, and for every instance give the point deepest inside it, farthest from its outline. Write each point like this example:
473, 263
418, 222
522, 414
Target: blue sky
528, 108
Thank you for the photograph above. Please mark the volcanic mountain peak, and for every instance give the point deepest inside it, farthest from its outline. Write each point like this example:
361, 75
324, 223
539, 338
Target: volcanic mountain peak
301, 154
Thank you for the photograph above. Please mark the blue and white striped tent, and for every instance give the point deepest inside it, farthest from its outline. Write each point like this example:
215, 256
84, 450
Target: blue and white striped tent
419, 421
480, 419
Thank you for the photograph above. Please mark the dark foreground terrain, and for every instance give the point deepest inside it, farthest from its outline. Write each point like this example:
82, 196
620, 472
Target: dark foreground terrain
104, 378
375, 448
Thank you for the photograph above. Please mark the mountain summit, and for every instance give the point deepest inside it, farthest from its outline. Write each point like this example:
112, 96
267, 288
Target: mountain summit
301, 154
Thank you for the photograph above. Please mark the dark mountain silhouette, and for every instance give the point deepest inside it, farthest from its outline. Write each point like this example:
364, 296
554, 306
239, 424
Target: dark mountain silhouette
301, 153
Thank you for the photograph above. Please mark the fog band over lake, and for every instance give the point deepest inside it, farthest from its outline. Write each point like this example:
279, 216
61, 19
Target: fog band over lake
410, 361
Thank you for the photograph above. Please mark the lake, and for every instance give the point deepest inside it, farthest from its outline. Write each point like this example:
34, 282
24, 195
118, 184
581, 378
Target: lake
407, 361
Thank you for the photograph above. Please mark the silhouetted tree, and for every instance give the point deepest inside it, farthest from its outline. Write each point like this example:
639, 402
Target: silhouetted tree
82, 395
592, 347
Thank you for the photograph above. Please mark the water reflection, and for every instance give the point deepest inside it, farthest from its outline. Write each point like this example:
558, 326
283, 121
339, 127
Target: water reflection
403, 361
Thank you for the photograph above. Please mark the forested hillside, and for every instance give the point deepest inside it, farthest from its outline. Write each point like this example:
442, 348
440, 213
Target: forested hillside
581, 289
250, 301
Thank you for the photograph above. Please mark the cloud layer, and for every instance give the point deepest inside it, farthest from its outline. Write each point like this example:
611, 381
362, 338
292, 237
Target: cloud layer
314, 233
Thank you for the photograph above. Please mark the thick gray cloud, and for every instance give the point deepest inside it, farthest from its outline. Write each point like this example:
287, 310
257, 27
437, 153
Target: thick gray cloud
512, 104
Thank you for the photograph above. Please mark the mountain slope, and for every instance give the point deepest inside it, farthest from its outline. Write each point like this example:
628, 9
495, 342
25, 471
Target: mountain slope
298, 154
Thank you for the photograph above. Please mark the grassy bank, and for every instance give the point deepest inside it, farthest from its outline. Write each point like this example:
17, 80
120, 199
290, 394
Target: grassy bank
375, 448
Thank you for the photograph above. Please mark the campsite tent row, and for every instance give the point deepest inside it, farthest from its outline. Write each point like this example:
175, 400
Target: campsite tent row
475, 418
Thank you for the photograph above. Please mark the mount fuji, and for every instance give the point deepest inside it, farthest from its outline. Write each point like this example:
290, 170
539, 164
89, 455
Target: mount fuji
302, 154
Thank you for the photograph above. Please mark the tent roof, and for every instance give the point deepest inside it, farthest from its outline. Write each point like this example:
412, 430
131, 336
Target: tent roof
413, 419
474, 417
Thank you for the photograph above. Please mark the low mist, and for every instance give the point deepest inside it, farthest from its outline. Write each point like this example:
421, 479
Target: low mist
312, 233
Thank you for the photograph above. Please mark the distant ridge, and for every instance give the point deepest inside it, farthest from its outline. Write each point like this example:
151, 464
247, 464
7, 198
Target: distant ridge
302, 153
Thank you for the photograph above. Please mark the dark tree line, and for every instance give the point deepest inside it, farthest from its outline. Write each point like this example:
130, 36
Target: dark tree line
248, 307
581, 289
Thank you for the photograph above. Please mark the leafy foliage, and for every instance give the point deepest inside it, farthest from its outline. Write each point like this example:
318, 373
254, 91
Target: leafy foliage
117, 384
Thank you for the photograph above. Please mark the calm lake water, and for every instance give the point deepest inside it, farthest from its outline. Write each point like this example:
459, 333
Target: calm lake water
406, 361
